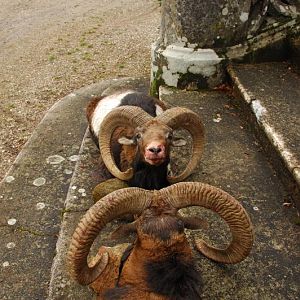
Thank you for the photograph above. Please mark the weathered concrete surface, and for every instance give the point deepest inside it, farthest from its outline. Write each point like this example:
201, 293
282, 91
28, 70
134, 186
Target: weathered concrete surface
86, 175
271, 94
295, 52
78, 200
234, 161
33, 195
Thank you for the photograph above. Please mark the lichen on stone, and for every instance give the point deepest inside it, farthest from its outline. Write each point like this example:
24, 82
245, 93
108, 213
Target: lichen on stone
11, 221
39, 181
9, 179
55, 159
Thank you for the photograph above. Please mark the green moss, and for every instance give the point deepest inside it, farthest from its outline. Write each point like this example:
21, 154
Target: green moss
83, 44
106, 187
64, 211
91, 31
156, 83
86, 56
51, 57
31, 231
296, 221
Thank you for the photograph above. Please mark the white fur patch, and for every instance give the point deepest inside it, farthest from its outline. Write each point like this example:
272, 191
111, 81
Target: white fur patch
159, 110
105, 106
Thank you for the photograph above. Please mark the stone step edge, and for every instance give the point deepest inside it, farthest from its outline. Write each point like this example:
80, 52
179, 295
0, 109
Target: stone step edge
281, 157
63, 233
64, 236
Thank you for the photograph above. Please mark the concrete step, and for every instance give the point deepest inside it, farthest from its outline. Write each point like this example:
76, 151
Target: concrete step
269, 95
33, 264
86, 176
233, 161
33, 194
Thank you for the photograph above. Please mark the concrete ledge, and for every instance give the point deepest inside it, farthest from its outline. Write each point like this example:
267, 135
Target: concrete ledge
233, 161
78, 200
33, 194
267, 39
278, 137
87, 175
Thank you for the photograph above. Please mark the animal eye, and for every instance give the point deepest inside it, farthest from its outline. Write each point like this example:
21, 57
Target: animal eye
170, 135
138, 136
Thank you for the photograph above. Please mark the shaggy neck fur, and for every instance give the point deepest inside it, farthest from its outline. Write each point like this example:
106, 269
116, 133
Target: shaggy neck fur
149, 177
174, 277
160, 266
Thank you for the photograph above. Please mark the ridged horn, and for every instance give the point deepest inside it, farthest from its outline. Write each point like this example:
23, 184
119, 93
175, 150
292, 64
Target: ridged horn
183, 118
186, 194
125, 201
127, 116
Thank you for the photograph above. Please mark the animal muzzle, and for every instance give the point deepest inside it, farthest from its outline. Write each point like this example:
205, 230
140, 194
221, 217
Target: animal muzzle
155, 153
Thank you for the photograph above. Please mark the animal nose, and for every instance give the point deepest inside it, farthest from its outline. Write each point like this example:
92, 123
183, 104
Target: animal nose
155, 150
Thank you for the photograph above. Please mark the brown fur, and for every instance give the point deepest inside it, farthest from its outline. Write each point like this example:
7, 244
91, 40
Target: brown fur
160, 265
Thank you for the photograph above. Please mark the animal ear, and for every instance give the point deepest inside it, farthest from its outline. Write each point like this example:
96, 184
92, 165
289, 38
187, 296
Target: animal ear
126, 141
123, 231
178, 142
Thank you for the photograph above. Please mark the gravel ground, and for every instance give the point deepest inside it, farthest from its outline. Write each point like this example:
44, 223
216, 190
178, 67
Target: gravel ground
51, 48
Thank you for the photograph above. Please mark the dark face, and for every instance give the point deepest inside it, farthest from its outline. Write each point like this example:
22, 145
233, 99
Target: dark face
159, 223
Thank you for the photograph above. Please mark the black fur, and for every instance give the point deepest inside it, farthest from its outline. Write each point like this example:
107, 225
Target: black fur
147, 176
174, 277
141, 100
116, 150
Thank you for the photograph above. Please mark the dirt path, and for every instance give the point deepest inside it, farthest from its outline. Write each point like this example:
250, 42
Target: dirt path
50, 48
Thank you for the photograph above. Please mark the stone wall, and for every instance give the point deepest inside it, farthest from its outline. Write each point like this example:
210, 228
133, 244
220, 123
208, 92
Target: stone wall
199, 37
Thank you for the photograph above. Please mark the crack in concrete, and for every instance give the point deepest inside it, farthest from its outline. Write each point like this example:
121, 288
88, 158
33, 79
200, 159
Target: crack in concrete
34, 232
73, 211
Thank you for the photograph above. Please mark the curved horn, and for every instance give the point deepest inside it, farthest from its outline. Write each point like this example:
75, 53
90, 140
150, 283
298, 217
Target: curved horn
186, 194
177, 118
122, 116
125, 201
